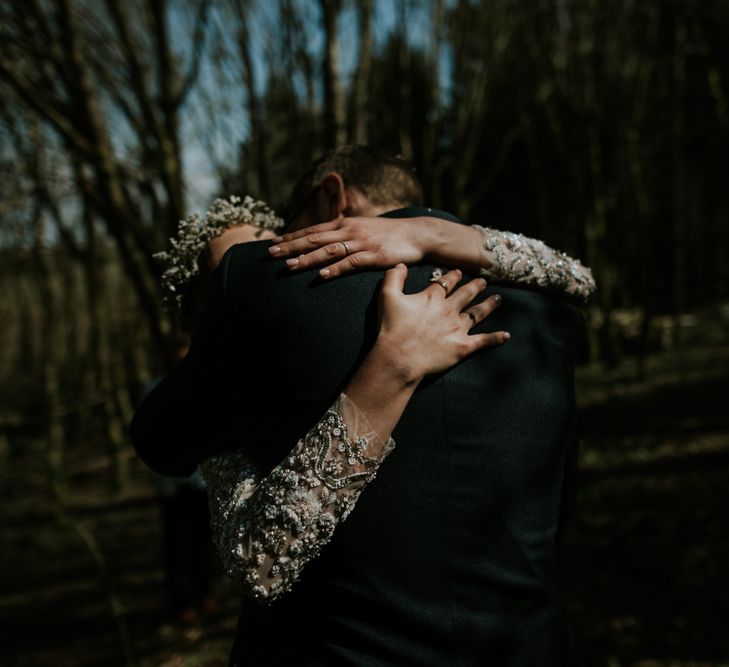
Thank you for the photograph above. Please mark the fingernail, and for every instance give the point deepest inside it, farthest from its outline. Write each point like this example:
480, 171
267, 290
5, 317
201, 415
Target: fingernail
483, 282
324, 273
497, 298
292, 262
274, 250
507, 335
277, 239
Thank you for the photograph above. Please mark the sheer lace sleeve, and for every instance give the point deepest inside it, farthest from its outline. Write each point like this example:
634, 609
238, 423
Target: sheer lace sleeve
519, 259
267, 528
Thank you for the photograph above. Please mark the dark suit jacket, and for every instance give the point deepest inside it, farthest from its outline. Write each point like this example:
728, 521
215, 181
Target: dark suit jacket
448, 557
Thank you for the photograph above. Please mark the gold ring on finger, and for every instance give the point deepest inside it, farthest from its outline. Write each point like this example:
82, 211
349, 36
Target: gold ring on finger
443, 284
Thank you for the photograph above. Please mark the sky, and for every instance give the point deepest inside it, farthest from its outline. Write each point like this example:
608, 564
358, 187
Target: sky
199, 158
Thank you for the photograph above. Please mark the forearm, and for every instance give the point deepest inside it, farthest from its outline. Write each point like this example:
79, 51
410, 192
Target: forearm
515, 258
381, 389
347, 245
451, 244
267, 529
504, 257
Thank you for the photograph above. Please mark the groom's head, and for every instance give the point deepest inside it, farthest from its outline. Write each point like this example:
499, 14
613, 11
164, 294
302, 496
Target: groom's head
352, 181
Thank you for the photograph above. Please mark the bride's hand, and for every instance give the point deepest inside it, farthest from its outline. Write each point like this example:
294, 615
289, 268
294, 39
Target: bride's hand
428, 331
346, 245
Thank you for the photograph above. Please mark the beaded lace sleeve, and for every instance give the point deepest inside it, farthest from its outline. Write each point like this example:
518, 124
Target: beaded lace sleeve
266, 529
515, 258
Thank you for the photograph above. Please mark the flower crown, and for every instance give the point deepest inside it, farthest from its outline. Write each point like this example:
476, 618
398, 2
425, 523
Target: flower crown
194, 233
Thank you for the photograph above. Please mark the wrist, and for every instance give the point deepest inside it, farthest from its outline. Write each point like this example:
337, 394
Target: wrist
453, 244
381, 389
396, 364
431, 235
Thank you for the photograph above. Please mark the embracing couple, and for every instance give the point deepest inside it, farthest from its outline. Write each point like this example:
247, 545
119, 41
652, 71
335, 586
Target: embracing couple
433, 413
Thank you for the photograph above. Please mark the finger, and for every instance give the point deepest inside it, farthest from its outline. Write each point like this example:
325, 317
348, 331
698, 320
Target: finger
326, 255
395, 279
307, 243
351, 264
481, 341
481, 311
468, 292
447, 282
314, 229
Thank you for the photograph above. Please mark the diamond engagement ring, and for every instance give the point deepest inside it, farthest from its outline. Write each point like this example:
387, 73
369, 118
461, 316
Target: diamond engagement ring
442, 283
346, 248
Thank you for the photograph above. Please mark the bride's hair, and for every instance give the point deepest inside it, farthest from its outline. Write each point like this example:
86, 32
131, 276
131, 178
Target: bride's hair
188, 254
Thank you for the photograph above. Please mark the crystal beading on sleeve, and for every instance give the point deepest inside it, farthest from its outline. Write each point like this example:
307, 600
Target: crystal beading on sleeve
267, 528
515, 258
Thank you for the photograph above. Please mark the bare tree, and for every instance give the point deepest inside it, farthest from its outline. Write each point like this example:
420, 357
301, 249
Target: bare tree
362, 75
334, 101
257, 140
482, 40
112, 90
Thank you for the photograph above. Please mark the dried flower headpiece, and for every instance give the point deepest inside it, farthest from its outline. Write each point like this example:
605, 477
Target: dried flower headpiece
194, 233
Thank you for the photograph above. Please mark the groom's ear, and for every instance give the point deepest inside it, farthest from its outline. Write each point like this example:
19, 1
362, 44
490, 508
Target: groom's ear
331, 197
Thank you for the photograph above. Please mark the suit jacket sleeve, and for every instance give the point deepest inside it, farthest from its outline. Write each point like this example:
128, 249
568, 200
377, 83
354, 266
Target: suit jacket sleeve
176, 425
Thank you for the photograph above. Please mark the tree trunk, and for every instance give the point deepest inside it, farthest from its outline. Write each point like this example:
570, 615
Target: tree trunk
100, 352
680, 238
596, 226
431, 167
334, 108
360, 103
645, 242
50, 352
405, 102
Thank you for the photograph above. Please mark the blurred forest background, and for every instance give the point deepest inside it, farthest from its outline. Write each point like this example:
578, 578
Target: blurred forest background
601, 127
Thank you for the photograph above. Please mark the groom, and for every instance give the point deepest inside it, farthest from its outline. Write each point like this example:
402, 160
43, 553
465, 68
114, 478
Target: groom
448, 557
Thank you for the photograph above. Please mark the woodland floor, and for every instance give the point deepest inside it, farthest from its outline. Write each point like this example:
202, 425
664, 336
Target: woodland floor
645, 561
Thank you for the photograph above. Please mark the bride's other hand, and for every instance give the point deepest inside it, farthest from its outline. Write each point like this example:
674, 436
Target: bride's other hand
428, 332
346, 245
419, 334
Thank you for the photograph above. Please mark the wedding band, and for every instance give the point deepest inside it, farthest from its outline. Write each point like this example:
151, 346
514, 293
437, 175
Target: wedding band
472, 315
346, 248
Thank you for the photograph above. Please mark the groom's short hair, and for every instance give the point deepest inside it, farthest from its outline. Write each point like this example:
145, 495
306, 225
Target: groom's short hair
382, 178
